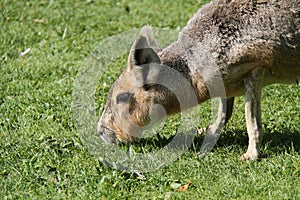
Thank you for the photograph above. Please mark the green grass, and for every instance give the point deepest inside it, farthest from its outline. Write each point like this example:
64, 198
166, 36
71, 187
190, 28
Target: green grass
41, 154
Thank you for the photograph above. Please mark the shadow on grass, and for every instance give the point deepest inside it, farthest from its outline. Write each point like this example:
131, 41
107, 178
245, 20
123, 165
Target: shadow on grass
273, 141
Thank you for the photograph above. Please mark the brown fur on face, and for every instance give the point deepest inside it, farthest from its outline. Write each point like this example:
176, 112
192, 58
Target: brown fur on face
128, 119
133, 97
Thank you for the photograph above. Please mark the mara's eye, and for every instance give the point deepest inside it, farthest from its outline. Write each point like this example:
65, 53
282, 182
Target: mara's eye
123, 97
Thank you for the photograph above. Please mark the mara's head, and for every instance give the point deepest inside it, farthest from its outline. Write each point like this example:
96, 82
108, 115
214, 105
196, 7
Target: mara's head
137, 100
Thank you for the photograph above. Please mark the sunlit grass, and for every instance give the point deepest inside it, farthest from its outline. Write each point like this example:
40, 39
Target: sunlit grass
41, 154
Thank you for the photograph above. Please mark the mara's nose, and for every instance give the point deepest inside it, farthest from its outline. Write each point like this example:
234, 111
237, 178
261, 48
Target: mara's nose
100, 132
106, 137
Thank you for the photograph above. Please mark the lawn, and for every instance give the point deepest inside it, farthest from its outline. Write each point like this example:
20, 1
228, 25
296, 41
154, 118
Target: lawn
45, 44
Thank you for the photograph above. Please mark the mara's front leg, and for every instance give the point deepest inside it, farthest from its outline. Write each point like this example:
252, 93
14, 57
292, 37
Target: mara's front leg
224, 113
253, 87
213, 131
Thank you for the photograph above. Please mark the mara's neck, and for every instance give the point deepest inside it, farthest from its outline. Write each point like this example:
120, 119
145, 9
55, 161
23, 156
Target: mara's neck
176, 59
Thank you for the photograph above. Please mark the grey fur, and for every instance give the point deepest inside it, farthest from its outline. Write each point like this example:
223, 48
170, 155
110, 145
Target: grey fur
249, 43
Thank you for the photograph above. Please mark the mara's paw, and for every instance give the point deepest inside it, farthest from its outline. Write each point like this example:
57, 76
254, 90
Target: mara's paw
202, 131
249, 156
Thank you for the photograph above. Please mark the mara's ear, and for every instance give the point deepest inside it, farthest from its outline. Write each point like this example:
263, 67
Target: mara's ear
142, 52
147, 32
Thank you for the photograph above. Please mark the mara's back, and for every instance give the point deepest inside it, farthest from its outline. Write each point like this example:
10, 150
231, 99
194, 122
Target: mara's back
243, 31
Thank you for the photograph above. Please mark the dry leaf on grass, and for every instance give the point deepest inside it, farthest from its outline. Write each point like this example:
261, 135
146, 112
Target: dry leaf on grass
179, 187
184, 187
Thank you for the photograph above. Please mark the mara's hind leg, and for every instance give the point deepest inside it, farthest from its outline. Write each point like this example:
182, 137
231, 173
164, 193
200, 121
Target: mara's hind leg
229, 109
224, 114
253, 86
